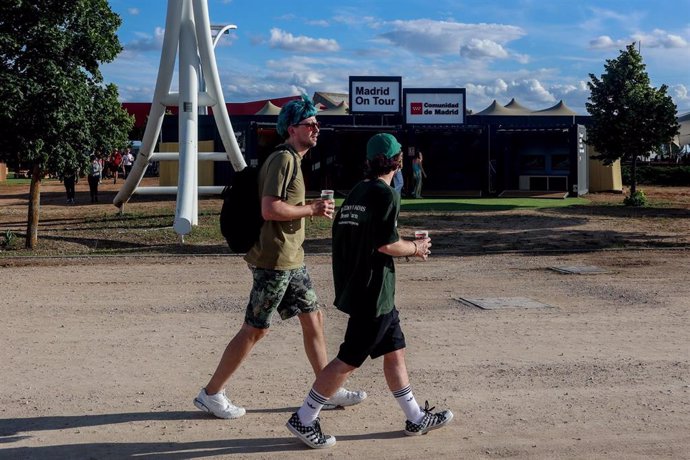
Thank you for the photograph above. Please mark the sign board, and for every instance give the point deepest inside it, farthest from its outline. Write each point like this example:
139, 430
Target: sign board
382, 95
440, 106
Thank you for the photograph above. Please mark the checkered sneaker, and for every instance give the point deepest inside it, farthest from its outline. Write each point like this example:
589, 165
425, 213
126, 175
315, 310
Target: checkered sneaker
310, 435
429, 422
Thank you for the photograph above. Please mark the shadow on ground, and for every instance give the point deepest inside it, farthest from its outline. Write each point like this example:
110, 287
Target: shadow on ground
15, 430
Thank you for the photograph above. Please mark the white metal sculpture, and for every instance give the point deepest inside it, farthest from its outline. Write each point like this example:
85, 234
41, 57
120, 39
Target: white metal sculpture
187, 27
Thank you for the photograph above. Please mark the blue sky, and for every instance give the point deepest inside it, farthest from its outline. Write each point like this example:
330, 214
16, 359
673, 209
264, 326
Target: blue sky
536, 51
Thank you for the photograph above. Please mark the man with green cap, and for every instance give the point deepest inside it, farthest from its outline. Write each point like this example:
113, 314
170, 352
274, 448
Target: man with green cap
281, 280
365, 241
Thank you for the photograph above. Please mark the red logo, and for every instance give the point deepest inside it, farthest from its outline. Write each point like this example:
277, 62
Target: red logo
416, 108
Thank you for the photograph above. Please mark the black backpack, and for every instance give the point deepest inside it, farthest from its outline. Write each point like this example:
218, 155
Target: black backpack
240, 215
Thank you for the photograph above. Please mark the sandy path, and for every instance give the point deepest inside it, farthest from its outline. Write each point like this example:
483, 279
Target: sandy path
101, 358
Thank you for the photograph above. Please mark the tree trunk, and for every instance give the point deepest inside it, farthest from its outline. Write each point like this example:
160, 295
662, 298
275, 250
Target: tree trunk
633, 175
34, 206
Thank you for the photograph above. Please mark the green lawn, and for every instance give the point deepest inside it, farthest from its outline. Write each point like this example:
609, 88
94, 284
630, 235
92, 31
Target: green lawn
12, 181
484, 204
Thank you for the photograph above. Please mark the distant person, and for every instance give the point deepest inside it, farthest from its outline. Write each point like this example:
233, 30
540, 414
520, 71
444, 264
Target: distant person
417, 174
365, 240
398, 181
116, 162
281, 280
70, 179
94, 177
127, 162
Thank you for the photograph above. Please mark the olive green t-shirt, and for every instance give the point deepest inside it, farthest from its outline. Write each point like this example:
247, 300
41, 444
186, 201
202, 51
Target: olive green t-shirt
280, 244
364, 278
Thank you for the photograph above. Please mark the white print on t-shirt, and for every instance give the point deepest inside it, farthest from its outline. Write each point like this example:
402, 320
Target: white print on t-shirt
354, 207
350, 214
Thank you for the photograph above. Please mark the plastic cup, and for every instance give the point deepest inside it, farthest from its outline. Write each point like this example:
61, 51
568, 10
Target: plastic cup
421, 234
327, 195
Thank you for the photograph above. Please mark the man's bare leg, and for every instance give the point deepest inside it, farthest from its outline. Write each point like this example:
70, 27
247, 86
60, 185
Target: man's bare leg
235, 353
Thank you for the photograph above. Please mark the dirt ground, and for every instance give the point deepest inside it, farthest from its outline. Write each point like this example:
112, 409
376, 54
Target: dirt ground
102, 355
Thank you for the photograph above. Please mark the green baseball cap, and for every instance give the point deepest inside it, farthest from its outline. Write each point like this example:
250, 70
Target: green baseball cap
383, 144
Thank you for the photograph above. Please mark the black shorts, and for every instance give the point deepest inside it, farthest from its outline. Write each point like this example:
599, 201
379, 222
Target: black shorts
371, 337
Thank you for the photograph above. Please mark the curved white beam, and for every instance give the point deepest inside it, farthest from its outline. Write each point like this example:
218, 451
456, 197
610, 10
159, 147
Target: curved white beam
157, 111
210, 70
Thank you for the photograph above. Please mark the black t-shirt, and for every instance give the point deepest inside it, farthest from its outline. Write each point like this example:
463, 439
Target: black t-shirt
364, 278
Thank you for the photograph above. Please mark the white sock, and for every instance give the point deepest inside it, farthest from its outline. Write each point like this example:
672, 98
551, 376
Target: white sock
408, 404
311, 407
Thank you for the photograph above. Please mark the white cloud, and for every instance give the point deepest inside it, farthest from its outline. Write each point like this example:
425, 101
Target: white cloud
660, 39
479, 49
680, 92
472, 41
602, 19
355, 20
531, 93
681, 96
286, 41
318, 23
533, 89
147, 42
606, 42
656, 39
133, 11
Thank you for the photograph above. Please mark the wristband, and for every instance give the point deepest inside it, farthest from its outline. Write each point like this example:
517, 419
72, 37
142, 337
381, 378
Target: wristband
415, 249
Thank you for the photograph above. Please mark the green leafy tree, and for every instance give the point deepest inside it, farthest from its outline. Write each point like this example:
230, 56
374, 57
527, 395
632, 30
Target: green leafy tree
54, 108
629, 117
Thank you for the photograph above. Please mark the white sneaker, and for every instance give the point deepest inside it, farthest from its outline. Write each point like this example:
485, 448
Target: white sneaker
344, 397
218, 405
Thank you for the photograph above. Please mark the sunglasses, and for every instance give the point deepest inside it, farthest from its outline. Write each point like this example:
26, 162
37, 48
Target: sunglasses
312, 125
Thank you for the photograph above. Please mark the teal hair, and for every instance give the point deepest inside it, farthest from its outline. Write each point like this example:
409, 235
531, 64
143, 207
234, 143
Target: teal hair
293, 112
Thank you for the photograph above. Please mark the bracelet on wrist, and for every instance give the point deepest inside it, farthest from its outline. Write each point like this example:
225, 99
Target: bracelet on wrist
416, 248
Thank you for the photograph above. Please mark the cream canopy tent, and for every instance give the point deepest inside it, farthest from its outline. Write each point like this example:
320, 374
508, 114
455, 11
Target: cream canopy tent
497, 109
340, 109
517, 107
558, 109
514, 108
269, 108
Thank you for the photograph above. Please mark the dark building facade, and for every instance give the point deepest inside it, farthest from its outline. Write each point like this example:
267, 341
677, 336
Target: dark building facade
500, 149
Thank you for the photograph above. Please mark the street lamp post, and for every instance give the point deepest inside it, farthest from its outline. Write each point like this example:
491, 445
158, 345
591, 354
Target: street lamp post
219, 30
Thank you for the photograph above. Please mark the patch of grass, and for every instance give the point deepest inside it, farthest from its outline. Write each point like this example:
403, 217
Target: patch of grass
486, 204
11, 181
318, 227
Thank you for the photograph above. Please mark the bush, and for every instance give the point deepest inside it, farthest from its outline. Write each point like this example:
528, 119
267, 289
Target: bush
637, 199
652, 174
9, 239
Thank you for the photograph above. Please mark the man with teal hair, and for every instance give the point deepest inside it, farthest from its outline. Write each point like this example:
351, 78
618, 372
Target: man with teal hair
281, 280
293, 113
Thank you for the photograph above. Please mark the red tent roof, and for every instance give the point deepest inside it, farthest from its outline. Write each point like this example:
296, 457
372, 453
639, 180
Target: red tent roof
141, 110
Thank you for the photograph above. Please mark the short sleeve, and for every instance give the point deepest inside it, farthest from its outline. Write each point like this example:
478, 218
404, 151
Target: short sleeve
278, 174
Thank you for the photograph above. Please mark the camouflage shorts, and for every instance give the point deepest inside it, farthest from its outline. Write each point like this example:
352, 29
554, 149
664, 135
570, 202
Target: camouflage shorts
289, 292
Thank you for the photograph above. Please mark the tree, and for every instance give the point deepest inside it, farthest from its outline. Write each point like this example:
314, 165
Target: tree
629, 117
54, 108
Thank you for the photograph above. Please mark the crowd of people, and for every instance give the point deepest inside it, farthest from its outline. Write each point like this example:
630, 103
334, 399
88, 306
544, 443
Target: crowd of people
117, 164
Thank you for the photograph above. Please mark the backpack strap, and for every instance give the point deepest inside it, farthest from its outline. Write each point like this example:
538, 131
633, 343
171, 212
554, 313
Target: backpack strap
294, 168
